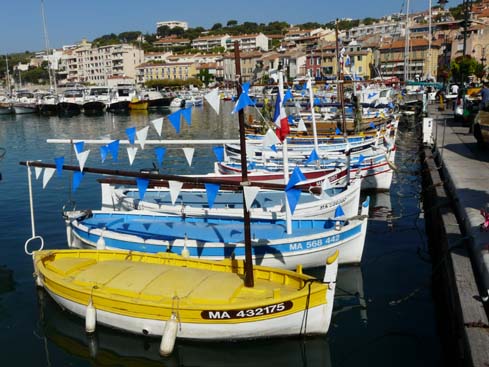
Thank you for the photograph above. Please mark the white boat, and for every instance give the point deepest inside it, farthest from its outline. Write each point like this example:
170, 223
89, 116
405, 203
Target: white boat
24, 102
95, 100
120, 97
268, 204
71, 101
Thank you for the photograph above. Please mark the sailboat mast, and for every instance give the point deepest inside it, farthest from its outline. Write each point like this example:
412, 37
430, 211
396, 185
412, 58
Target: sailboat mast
339, 86
52, 79
429, 42
406, 46
248, 266
9, 87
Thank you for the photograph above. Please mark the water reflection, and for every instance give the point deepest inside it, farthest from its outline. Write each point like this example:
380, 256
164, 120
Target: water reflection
113, 348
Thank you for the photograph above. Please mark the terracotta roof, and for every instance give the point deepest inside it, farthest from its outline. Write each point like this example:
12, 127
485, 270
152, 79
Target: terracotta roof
172, 40
209, 38
416, 42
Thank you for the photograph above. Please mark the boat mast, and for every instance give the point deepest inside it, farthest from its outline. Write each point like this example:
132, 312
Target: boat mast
9, 87
52, 79
248, 265
340, 86
406, 46
429, 43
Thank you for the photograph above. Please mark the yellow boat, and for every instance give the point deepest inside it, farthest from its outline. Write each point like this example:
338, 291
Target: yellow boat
151, 294
137, 104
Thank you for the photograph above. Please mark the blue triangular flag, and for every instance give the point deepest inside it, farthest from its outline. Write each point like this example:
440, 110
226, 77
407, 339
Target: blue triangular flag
361, 158
317, 101
243, 101
79, 146
288, 95
142, 186
290, 119
160, 153
296, 177
219, 152
338, 131
131, 134
77, 177
245, 87
175, 120
104, 150
187, 115
313, 157
252, 165
274, 148
339, 212
293, 196
304, 87
211, 190
372, 125
59, 165
114, 149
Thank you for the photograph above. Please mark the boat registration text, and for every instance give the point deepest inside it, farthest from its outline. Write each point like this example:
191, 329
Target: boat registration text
247, 313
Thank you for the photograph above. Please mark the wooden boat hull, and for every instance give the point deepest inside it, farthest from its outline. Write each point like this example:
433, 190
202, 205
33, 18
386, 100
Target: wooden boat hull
309, 244
139, 293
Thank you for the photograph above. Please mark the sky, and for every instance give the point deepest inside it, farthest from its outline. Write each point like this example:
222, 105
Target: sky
68, 21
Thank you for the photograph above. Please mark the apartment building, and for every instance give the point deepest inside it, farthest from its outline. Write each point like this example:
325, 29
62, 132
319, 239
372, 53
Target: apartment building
172, 24
159, 71
391, 29
207, 43
251, 62
248, 42
94, 65
172, 42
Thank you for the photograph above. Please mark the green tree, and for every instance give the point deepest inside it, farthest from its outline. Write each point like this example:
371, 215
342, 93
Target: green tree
128, 37
232, 23
216, 27
463, 67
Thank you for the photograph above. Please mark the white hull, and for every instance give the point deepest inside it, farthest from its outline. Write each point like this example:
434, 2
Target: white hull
318, 320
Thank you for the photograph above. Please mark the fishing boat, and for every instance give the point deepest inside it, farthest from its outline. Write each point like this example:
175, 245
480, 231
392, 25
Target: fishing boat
268, 204
308, 243
138, 104
150, 294
71, 102
24, 102
95, 100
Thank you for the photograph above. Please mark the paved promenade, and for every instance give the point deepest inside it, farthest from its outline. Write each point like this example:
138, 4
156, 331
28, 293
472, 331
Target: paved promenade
465, 168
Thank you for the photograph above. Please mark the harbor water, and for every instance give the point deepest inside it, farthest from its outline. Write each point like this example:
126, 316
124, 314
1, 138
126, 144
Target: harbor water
384, 312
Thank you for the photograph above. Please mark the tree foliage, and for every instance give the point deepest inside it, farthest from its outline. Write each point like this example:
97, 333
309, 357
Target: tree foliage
106, 39
463, 67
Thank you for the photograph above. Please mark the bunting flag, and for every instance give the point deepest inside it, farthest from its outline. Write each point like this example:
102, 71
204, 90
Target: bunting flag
219, 152
317, 101
142, 136
77, 177
280, 119
296, 177
251, 165
175, 187
142, 186
160, 153
59, 165
82, 158
372, 125
48, 173
250, 193
313, 156
78, 146
104, 150
175, 118
301, 126
270, 139
347, 60
114, 149
287, 96
187, 115
338, 131
211, 190
158, 125
293, 196
213, 99
131, 154
371, 95
339, 212
361, 158
37, 171
131, 134
274, 148
189, 154
244, 99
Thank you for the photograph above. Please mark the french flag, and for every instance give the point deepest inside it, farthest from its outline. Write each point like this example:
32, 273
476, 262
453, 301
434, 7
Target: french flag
280, 119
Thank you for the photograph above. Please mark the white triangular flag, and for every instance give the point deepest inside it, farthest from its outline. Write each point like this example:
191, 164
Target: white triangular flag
250, 193
82, 158
270, 138
213, 98
131, 153
38, 171
301, 126
48, 173
189, 154
158, 124
142, 135
175, 187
